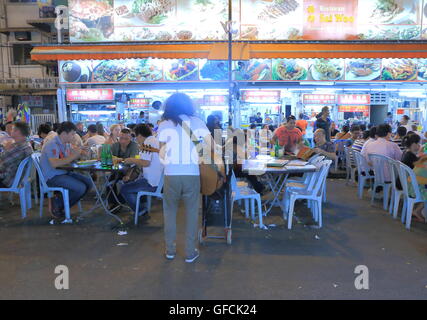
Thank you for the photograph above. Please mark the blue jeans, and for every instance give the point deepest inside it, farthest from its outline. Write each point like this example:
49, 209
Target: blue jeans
130, 190
76, 184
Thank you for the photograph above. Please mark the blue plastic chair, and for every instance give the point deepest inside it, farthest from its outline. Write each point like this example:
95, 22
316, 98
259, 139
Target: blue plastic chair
158, 194
380, 165
21, 185
408, 180
45, 189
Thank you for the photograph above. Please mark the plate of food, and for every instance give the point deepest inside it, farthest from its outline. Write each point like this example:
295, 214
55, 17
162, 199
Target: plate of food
422, 69
289, 69
110, 71
327, 69
182, 70
91, 20
363, 69
252, 70
144, 70
153, 12
215, 70
399, 70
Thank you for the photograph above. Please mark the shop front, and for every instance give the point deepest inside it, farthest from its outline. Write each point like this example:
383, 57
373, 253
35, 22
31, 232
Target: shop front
311, 51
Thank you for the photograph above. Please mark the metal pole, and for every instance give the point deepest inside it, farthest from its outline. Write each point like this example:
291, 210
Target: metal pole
230, 63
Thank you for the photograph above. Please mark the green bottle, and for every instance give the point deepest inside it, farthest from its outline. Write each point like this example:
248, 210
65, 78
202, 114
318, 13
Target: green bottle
276, 149
425, 148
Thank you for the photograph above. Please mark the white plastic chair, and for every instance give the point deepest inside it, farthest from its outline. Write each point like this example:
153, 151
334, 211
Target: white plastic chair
380, 166
314, 160
407, 177
247, 194
350, 166
158, 194
363, 174
339, 147
21, 185
396, 193
313, 193
45, 189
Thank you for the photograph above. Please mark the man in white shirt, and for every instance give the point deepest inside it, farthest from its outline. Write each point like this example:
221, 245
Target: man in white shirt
152, 169
404, 122
383, 146
94, 138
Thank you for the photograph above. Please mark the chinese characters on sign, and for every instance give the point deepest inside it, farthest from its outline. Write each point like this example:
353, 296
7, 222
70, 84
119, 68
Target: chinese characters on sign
358, 99
319, 99
74, 95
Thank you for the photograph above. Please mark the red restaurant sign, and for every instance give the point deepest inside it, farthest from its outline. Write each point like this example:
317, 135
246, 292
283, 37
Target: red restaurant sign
76, 95
361, 99
319, 99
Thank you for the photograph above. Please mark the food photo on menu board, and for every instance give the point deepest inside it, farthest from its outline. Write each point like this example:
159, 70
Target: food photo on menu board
399, 70
181, 69
252, 70
290, 69
147, 20
331, 19
363, 69
326, 69
214, 70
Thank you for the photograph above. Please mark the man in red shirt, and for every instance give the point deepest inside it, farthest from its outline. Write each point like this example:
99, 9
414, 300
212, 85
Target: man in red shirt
288, 135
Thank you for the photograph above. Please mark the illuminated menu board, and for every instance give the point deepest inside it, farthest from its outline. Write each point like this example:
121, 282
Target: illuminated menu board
186, 20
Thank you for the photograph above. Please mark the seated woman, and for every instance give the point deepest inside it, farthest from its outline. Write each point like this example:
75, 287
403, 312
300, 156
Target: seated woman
323, 147
412, 144
113, 138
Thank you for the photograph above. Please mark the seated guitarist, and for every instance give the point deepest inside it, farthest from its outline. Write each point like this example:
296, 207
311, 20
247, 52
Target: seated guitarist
149, 162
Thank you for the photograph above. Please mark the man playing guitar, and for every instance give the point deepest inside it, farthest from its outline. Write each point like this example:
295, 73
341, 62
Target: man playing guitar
149, 162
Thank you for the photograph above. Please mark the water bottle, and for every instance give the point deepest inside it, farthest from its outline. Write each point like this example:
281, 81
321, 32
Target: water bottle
425, 148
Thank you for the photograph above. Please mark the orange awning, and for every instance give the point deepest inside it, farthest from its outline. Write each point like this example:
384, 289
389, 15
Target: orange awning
241, 50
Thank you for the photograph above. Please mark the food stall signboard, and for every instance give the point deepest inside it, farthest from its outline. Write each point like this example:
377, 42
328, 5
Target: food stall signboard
361, 99
332, 19
214, 100
261, 96
76, 95
319, 99
353, 108
147, 20
139, 103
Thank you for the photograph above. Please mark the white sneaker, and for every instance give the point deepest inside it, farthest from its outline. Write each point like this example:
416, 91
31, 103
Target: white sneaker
193, 258
170, 256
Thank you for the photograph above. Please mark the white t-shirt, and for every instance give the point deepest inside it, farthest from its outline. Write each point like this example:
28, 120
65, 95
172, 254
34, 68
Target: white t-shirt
181, 158
95, 140
154, 171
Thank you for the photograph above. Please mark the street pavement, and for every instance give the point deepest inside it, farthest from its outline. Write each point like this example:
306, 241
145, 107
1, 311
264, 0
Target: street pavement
302, 263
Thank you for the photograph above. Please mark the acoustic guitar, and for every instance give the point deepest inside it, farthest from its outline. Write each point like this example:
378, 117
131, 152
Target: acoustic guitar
133, 173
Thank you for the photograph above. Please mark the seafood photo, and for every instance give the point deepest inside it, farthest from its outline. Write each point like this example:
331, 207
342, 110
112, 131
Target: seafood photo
278, 9
399, 69
422, 69
143, 70
363, 69
252, 70
91, 20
